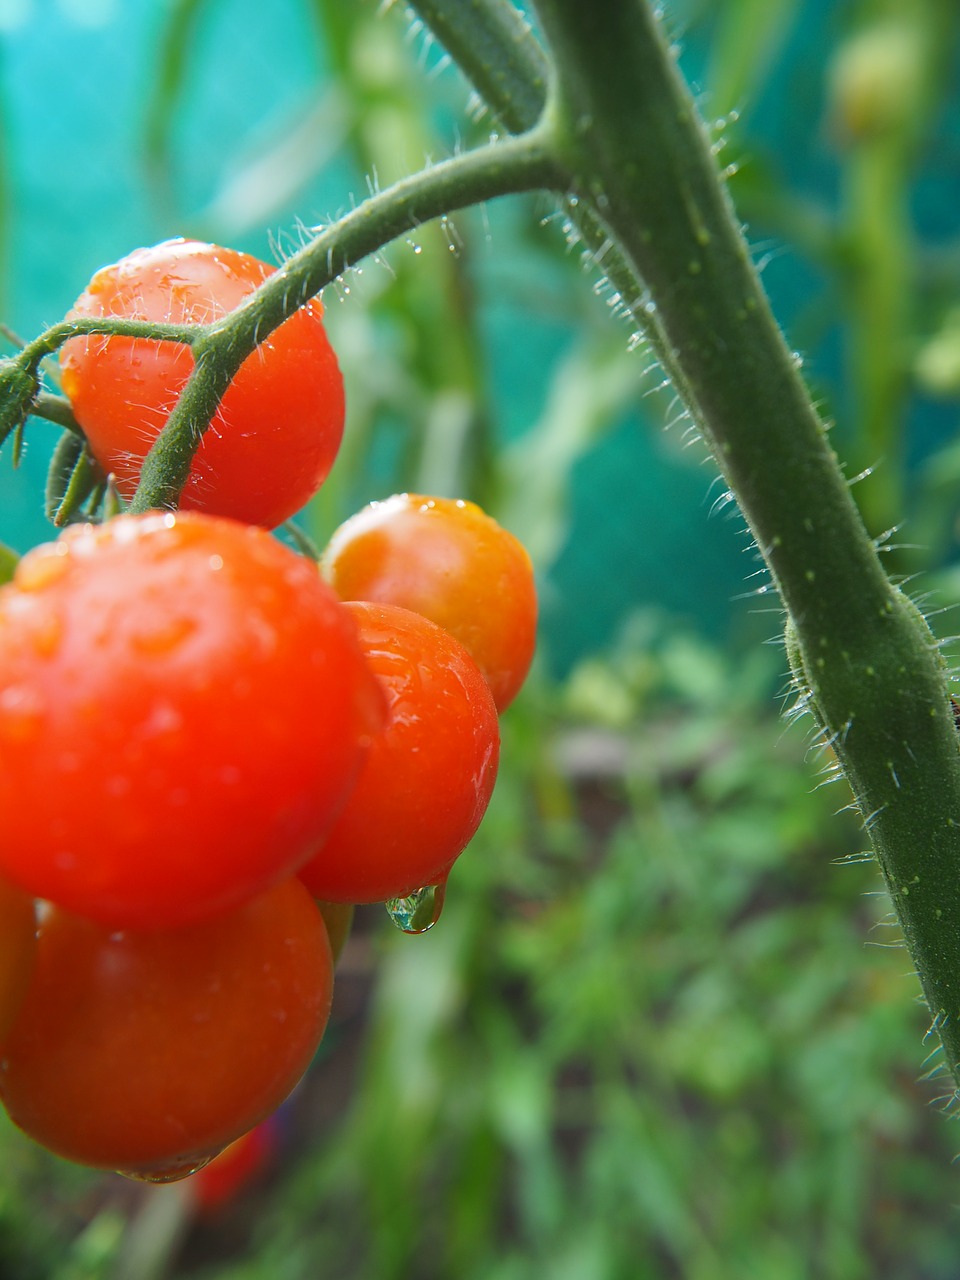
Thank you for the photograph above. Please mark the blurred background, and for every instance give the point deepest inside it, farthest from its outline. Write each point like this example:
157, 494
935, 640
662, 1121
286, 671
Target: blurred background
663, 1028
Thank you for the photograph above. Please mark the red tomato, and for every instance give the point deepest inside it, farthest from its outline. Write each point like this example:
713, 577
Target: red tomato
18, 944
183, 708
150, 1052
427, 779
449, 561
277, 432
235, 1168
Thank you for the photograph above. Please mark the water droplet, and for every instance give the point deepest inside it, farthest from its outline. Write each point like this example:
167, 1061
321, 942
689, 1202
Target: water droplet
46, 635
420, 910
172, 1173
42, 567
163, 635
21, 713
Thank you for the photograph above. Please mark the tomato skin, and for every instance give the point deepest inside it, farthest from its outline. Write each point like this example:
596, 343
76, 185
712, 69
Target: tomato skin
277, 431
18, 946
184, 706
451, 562
151, 1051
428, 777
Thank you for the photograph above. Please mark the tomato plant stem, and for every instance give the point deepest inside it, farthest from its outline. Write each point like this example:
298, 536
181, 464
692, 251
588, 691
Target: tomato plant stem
492, 43
496, 49
505, 167
863, 655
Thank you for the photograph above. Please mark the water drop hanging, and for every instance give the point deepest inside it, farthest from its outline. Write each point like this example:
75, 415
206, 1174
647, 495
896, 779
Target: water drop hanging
174, 1173
420, 910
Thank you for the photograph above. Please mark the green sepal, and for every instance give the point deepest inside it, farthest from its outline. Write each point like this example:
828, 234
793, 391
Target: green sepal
301, 541
72, 478
8, 563
18, 390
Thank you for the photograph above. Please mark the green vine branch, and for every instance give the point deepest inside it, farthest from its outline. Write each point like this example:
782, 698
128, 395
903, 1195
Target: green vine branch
21, 385
501, 168
496, 49
862, 655
515, 164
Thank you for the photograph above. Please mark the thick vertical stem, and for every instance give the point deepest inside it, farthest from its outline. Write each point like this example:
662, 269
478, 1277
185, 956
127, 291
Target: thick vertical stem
630, 136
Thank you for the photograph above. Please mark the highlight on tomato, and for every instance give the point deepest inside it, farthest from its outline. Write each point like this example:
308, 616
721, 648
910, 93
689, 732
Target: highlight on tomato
276, 434
427, 779
184, 706
450, 561
149, 1052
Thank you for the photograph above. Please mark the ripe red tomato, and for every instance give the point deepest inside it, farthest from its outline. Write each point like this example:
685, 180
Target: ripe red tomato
230, 1173
454, 564
427, 779
18, 944
184, 706
150, 1052
278, 429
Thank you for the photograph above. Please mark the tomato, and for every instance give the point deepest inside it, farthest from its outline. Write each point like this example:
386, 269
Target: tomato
454, 564
184, 706
150, 1052
427, 779
18, 943
277, 432
231, 1172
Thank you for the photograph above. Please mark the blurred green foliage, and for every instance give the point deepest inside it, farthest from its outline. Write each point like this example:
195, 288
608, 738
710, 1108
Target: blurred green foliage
658, 1031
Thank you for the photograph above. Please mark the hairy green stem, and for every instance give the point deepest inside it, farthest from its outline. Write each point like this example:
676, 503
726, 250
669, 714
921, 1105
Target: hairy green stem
494, 46
52, 339
515, 164
54, 408
21, 391
631, 139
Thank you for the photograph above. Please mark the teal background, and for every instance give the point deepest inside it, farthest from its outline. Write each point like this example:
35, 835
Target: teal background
82, 188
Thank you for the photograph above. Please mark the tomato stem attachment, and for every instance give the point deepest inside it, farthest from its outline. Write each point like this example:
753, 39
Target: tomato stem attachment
502, 167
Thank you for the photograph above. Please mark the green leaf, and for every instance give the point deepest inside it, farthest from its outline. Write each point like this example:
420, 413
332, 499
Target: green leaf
8, 563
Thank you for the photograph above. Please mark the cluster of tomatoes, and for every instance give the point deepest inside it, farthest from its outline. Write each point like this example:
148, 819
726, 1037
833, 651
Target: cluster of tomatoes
207, 740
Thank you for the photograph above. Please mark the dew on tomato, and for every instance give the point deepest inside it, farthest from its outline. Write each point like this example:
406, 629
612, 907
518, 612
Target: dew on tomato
169, 1173
193, 732
419, 911
449, 561
149, 1052
277, 432
427, 779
